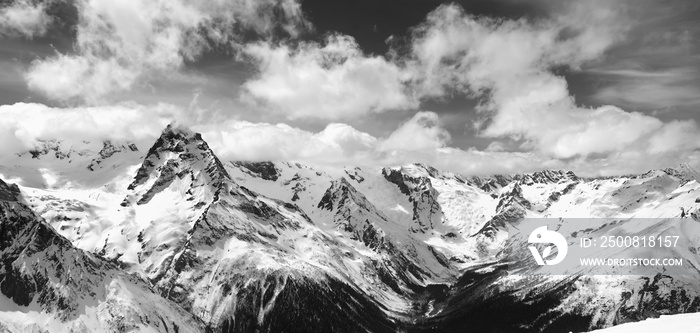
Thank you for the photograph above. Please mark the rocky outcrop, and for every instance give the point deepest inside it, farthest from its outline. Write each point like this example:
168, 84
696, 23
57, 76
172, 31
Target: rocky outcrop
264, 170
421, 193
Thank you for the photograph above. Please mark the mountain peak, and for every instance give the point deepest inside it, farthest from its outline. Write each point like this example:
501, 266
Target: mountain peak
420, 191
339, 193
178, 131
265, 169
547, 176
177, 154
173, 138
8, 192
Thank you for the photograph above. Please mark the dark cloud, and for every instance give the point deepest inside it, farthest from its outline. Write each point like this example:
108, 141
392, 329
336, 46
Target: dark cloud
371, 22
656, 68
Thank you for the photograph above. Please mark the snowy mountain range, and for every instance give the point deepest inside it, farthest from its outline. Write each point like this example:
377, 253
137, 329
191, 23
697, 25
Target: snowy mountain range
113, 237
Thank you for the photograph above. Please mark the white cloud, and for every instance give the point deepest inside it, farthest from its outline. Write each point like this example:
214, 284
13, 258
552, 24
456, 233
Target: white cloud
346, 138
331, 81
496, 146
422, 132
22, 124
121, 42
676, 136
338, 144
510, 65
24, 19
343, 145
242, 140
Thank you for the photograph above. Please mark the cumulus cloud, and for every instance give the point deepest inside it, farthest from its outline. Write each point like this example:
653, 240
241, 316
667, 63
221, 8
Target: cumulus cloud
510, 64
346, 138
338, 144
242, 140
22, 124
420, 139
120, 42
22, 18
422, 132
331, 81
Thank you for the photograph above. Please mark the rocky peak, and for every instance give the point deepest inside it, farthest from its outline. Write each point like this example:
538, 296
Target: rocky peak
546, 177
265, 170
489, 184
8, 192
421, 193
397, 177
354, 174
685, 172
423, 170
59, 149
179, 148
338, 195
108, 150
354, 214
514, 197
34, 254
511, 206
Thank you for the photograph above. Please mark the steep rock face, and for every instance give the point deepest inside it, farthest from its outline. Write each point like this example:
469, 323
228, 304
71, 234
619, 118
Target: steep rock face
9, 192
350, 208
178, 146
108, 150
512, 206
26, 241
62, 288
497, 182
512, 201
426, 209
402, 265
546, 177
264, 170
491, 184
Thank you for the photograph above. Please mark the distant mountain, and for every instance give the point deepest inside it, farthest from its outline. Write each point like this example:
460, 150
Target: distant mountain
220, 246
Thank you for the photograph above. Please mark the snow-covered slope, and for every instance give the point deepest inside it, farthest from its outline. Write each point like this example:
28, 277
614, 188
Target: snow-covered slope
259, 245
59, 164
473, 217
680, 323
48, 285
206, 242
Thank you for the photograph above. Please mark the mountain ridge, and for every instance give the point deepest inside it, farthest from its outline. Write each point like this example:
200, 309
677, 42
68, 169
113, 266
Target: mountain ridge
245, 245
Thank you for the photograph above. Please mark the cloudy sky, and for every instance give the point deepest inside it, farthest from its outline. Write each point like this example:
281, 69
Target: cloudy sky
478, 87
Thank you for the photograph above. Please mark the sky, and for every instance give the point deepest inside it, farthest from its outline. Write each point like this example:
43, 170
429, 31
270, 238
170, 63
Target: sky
477, 87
